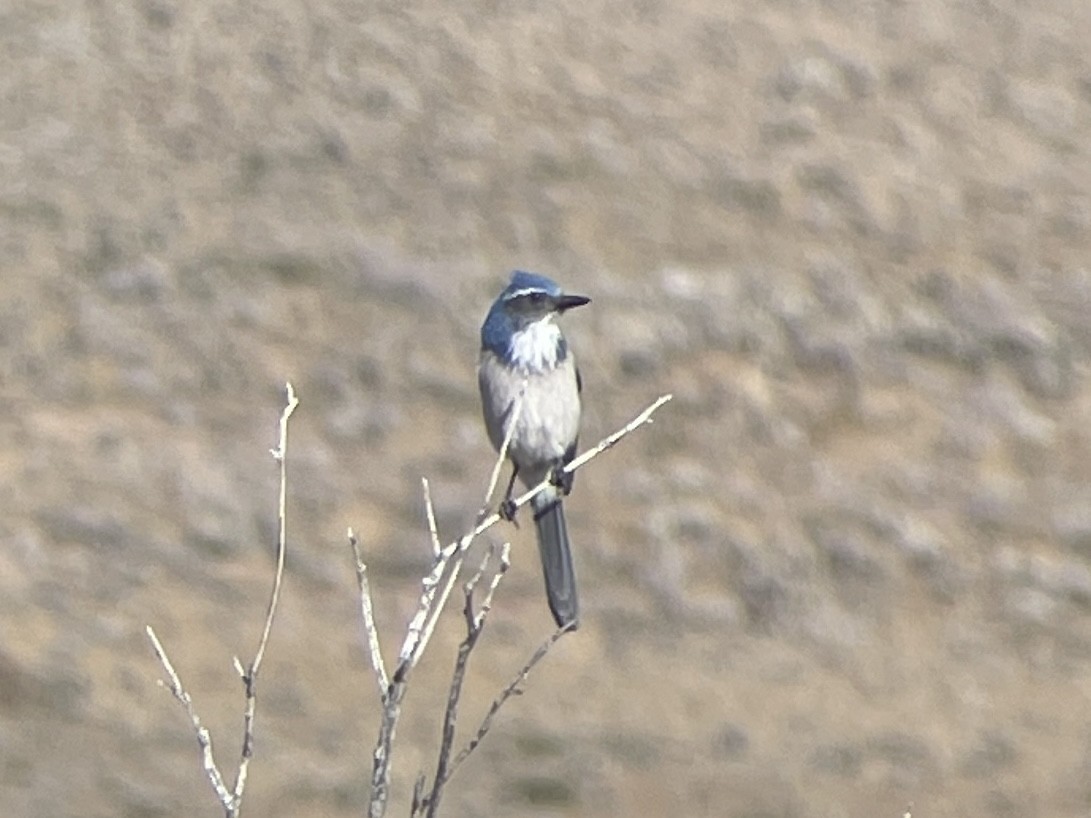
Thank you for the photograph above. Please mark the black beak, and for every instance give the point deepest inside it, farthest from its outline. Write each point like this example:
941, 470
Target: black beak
567, 302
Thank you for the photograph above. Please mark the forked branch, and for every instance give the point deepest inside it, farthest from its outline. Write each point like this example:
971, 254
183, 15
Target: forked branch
231, 797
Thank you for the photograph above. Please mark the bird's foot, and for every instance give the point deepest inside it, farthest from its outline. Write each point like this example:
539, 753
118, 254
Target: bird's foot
561, 479
507, 511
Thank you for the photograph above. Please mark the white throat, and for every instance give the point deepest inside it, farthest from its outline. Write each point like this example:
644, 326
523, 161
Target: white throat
534, 348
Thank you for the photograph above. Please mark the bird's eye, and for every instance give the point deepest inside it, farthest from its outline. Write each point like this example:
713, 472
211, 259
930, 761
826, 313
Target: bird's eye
537, 298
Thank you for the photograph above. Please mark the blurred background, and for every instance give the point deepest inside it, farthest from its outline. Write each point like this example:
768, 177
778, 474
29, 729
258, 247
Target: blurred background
847, 570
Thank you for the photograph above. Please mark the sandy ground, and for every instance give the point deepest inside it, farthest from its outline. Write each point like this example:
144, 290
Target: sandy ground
848, 569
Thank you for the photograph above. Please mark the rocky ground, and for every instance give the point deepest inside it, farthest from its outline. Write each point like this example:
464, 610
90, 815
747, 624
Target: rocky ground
846, 571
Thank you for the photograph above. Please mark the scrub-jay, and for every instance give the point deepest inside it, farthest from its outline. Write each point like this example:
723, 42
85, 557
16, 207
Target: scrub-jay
524, 351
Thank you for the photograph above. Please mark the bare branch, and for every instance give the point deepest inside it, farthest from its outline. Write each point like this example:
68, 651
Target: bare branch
486, 603
368, 614
418, 796
431, 512
424, 621
231, 800
607, 442
513, 689
380, 760
204, 740
475, 625
502, 455
280, 454
250, 677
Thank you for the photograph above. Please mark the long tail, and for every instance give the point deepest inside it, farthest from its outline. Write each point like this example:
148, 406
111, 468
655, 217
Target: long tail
560, 579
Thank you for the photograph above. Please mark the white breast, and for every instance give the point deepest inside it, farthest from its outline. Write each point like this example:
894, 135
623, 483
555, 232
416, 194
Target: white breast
534, 348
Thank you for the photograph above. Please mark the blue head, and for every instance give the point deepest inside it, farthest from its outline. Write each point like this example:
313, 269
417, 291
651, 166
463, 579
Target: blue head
520, 326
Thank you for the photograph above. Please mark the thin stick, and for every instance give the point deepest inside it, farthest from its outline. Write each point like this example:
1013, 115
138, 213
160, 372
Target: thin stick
418, 796
513, 689
368, 613
423, 623
204, 739
509, 433
486, 603
430, 510
250, 676
475, 626
607, 442
231, 800
280, 455
381, 756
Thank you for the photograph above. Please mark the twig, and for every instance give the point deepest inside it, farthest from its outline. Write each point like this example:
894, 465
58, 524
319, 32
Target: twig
431, 512
475, 625
418, 796
486, 603
607, 442
231, 799
424, 621
380, 763
280, 455
513, 689
509, 432
367, 612
204, 739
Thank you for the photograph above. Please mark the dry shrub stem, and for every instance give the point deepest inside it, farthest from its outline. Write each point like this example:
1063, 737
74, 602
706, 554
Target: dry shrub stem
231, 798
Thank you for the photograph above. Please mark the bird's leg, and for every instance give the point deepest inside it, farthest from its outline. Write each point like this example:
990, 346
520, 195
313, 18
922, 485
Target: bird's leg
507, 505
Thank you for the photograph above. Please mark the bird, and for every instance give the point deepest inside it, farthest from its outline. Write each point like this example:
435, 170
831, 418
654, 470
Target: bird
523, 351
